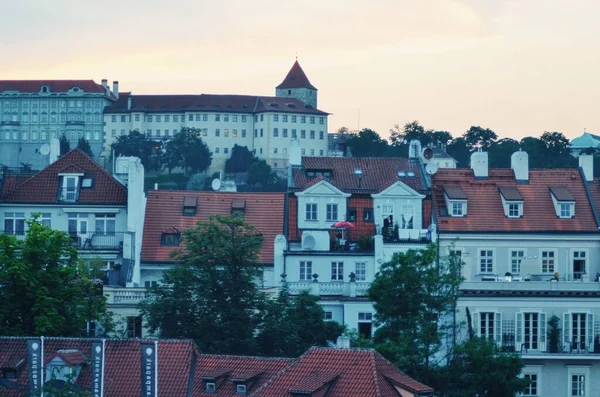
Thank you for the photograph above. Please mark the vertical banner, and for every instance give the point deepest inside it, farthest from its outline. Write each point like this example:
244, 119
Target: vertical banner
148, 369
34, 359
97, 368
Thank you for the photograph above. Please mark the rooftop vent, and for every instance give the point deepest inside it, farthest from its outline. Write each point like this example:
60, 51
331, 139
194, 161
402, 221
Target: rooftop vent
308, 106
273, 105
290, 105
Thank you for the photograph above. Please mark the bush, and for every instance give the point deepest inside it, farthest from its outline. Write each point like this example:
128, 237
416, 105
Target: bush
196, 182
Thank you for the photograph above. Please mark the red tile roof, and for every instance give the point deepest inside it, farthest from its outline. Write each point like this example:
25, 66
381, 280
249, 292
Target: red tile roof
260, 369
484, 205
296, 78
43, 187
378, 173
360, 372
164, 211
208, 103
122, 363
34, 86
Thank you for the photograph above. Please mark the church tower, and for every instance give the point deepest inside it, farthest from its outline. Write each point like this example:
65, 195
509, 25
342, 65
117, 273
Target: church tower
296, 85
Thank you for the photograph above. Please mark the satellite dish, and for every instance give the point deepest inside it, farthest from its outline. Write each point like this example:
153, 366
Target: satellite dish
428, 153
45, 149
216, 184
308, 242
431, 168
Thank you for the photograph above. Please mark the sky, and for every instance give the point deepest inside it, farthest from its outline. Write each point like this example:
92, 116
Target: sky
519, 67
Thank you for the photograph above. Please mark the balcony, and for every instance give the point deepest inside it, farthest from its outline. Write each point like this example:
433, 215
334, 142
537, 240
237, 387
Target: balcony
347, 289
573, 349
124, 296
10, 123
68, 195
97, 240
75, 122
393, 235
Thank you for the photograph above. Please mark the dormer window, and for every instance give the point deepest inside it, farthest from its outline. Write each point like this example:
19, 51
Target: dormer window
69, 188
213, 379
564, 202
210, 387
170, 238
238, 207
240, 389
512, 201
456, 201
189, 206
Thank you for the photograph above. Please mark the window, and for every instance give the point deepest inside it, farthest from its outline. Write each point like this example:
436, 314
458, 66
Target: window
134, 327
351, 215
175, 118
566, 210
226, 133
516, 256
332, 212
243, 133
275, 117
578, 331
337, 271
274, 150
169, 239
579, 264
167, 118
321, 135
321, 120
548, 261
243, 118
217, 117
312, 152
113, 133
311, 212
240, 389
305, 270
217, 132
320, 152
577, 380
312, 134
365, 324
486, 261
137, 117
113, 118
234, 133
105, 223
327, 315
303, 134
532, 389
149, 118
293, 119
360, 270
275, 132
262, 117
284, 133
158, 118
303, 152
69, 190
261, 132
226, 150
14, 223
458, 208
226, 118
577, 385
531, 331
204, 117
256, 133
514, 210
312, 119
489, 325
234, 118
216, 150
149, 284
285, 118
368, 214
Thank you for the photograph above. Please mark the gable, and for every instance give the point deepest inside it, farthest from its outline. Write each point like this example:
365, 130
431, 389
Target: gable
398, 189
322, 188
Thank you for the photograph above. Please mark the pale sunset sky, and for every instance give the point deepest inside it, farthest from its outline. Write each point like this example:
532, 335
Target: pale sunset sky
519, 67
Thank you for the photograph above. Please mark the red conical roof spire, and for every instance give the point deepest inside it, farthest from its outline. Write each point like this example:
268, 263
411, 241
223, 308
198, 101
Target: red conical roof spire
296, 78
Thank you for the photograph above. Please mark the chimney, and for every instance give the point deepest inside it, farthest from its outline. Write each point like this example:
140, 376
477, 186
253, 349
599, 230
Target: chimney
479, 164
116, 89
586, 163
519, 162
129, 102
105, 83
414, 150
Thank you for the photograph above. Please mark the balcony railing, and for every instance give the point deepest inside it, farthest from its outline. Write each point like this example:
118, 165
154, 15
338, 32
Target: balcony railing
536, 347
333, 288
75, 122
68, 194
393, 235
97, 240
10, 123
124, 296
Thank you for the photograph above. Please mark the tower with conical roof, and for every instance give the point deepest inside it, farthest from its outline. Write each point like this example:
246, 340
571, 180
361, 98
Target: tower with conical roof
296, 85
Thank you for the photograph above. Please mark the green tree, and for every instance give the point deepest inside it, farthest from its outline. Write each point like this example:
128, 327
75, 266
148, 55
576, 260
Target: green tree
138, 145
536, 151
367, 143
210, 295
501, 151
261, 177
196, 182
241, 159
43, 293
479, 368
479, 138
412, 295
64, 145
84, 145
557, 150
459, 150
188, 151
291, 326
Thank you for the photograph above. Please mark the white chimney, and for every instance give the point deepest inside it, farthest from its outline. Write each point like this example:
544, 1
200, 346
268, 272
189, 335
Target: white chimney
479, 164
343, 342
414, 150
129, 102
586, 163
519, 162
295, 153
116, 89
105, 83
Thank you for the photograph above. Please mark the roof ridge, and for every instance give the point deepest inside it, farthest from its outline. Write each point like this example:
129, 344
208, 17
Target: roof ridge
375, 373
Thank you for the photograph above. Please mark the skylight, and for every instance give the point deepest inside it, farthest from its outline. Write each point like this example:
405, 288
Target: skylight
358, 171
401, 173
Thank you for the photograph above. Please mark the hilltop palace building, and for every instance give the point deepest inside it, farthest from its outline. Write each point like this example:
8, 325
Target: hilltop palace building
33, 112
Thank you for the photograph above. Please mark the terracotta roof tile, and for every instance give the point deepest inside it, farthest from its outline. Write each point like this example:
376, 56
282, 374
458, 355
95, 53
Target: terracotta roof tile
296, 78
33, 86
43, 187
485, 211
164, 210
377, 173
360, 372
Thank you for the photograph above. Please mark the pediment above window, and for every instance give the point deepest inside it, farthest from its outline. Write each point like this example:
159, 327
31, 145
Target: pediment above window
322, 188
399, 189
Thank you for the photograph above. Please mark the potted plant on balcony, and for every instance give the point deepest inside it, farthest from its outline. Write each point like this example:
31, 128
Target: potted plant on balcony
553, 334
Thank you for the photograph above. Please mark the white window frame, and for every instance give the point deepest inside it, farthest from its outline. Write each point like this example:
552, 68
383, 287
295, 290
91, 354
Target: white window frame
569, 341
520, 337
311, 212
480, 258
337, 271
458, 208
518, 258
332, 212
573, 257
365, 317
305, 270
105, 224
15, 217
535, 370
578, 370
360, 270
566, 210
515, 209
551, 259
493, 318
